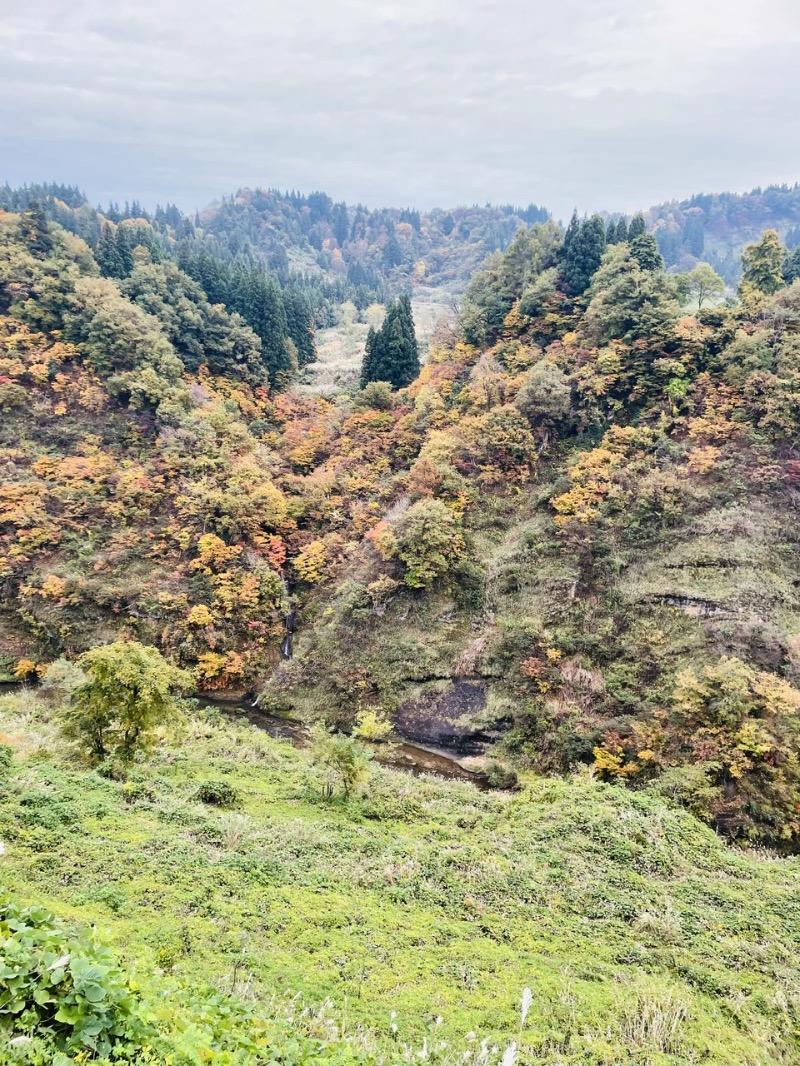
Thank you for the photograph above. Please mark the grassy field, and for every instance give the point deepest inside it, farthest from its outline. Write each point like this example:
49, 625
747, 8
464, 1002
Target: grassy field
340, 348
643, 938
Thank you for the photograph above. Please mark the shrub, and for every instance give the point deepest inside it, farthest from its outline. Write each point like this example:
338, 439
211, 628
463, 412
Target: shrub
344, 760
217, 794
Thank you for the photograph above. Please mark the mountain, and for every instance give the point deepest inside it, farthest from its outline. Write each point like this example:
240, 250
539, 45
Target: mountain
713, 228
565, 554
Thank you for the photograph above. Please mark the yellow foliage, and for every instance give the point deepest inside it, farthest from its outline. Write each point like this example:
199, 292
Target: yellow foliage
200, 616
311, 562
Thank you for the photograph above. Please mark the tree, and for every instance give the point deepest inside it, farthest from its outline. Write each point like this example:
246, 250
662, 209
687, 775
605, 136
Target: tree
391, 354
345, 761
583, 254
545, 394
629, 304
622, 231
791, 267
762, 264
129, 692
637, 227
429, 543
645, 251
705, 283
35, 231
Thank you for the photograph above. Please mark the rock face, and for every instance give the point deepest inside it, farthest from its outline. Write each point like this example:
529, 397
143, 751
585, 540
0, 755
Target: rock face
445, 718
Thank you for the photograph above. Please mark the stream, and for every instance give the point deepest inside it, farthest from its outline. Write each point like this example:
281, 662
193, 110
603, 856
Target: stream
398, 753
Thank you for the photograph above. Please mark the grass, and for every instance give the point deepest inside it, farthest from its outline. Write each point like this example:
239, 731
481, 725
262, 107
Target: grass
643, 938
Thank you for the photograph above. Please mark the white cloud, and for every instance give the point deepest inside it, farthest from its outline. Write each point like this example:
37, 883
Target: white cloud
603, 103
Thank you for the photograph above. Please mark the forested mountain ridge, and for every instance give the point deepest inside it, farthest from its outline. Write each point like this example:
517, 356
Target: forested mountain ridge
713, 228
567, 544
570, 530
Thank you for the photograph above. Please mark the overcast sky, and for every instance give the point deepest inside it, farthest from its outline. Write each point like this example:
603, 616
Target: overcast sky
613, 104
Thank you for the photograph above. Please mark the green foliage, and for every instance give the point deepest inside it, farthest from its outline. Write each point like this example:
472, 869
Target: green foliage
61, 986
344, 761
762, 264
545, 395
217, 794
584, 245
429, 543
705, 283
128, 694
391, 354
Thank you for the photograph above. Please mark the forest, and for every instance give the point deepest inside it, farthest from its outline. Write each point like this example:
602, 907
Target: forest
561, 545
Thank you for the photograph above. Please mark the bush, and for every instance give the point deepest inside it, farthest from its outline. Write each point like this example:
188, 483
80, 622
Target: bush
217, 794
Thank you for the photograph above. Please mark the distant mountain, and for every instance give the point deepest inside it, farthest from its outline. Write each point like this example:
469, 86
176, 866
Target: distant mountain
369, 247
713, 227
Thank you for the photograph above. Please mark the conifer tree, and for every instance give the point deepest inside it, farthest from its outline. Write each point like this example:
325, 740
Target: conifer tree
622, 231
611, 233
637, 226
392, 353
583, 254
644, 250
368, 362
300, 325
35, 231
107, 254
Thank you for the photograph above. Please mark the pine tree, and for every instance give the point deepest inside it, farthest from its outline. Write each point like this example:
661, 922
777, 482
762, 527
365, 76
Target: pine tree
107, 254
300, 325
622, 231
392, 353
611, 233
368, 362
572, 232
644, 250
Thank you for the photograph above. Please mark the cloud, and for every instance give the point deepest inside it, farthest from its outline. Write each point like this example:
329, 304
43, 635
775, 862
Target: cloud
599, 103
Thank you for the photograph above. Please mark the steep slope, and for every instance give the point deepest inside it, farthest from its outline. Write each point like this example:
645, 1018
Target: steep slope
574, 534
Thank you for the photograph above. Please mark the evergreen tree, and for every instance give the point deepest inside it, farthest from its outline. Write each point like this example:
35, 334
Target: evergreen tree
124, 250
644, 250
341, 225
107, 254
637, 227
582, 256
392, 353
791, 266
33, 224
611, 233
622, 231
368, 362
572, 231
300, 325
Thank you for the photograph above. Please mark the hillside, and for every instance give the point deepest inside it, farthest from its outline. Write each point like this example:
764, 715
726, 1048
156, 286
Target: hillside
407, 920
713, 228
566, 553
574, 535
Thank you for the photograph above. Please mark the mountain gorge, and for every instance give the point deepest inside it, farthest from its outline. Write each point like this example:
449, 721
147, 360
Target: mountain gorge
566, 549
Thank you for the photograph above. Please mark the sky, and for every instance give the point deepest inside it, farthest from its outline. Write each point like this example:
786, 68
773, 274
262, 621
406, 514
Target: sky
599, 104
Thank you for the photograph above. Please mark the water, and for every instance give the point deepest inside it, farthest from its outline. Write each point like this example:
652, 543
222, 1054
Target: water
399, 753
